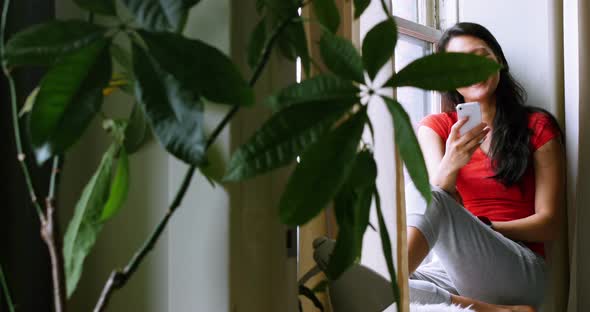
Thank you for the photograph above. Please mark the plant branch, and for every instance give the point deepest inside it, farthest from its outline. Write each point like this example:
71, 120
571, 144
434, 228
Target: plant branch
15, 122
119, 278
51, 236
20, 156
48, 222
6, 291
385, 9
54, 171
49, 233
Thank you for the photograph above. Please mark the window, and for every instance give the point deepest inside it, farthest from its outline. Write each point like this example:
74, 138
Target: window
416, 40
418, 103
420, 24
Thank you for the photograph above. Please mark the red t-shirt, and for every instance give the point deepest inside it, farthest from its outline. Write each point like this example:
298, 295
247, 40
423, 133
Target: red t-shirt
484, 196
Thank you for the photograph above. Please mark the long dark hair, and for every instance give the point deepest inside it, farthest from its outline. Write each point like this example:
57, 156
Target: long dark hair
509, 150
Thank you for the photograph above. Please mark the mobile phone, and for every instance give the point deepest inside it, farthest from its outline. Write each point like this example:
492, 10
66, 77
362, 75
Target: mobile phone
471, 110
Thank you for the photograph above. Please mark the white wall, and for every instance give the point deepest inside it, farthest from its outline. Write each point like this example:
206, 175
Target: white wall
147, 202
523, 30
198, 250
530, 33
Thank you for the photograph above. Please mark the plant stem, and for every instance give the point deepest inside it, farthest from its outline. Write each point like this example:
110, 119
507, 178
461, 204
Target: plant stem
49, 231
54, 171
385, 9
9, 302
119, 278
15, 122
51, 236
20, 156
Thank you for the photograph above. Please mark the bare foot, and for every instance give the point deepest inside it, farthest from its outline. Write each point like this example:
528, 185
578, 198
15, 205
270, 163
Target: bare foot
521, 308
480, 306
497, 308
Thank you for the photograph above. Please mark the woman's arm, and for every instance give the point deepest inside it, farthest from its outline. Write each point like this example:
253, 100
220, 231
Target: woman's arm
545, 224
444, 159
433, 149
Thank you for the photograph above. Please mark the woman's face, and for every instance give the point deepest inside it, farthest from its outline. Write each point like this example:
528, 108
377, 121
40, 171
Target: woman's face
484, 90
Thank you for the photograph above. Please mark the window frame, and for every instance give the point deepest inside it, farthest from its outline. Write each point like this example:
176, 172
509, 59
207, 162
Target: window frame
417, 30
430, 15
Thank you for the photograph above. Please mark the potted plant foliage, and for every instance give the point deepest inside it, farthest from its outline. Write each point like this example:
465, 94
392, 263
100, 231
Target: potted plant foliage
169, 76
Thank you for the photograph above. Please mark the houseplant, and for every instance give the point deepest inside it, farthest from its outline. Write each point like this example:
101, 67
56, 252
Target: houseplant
321, 119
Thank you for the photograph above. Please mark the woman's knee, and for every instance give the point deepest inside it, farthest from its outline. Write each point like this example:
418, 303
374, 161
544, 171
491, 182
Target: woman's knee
425, 292
440, 195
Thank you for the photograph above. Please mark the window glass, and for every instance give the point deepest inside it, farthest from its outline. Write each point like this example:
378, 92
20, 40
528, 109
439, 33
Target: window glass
406, 9
418, 104
415, 101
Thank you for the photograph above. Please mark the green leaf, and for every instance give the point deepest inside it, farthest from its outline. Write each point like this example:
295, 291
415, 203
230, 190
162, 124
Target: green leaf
174, 112
285, 136
280, 9
85, 224
408, 146
159, 15
216, 166
445, 71
325, 166
119, 188
360, 6
42, 44
122, 57
190, 3
137, 132
341, 57
362, 179
352, 207
293, 43
204, 69
327, 13
260, 5
256, 44
386, 245
105, 7
349, 244
29, 102
321, 88
378, 46
70, 94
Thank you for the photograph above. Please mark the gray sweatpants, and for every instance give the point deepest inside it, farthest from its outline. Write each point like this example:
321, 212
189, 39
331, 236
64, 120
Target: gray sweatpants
474, 260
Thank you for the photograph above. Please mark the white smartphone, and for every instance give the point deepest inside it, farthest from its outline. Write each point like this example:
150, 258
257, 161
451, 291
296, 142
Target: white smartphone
471, 110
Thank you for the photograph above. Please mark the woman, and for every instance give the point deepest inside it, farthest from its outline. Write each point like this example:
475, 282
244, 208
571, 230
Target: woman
497, 192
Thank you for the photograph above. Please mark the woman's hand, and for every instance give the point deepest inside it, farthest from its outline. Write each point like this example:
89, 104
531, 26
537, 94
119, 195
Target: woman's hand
460, 148
458, 152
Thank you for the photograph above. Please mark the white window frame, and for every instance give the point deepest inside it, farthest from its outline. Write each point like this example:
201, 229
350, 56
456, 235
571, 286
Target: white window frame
388, 170
433, 17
